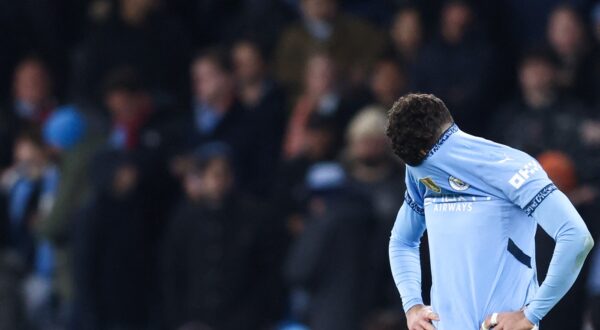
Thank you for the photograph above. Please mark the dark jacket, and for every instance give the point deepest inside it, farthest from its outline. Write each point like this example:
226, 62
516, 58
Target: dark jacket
217, 266
112, 263
329, 261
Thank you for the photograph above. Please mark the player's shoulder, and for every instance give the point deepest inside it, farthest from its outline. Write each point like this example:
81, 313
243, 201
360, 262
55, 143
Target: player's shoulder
488, 150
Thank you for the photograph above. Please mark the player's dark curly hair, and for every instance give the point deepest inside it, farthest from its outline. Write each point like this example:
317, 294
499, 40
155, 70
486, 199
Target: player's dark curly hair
414, 125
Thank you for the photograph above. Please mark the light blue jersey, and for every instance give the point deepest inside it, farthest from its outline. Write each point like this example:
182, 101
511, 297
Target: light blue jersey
478, 201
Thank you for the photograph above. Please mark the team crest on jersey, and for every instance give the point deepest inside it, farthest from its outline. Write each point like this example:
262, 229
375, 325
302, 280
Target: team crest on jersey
458, 184
428, 182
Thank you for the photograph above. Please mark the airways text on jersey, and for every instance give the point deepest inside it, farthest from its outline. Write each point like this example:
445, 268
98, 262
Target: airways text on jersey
453, 203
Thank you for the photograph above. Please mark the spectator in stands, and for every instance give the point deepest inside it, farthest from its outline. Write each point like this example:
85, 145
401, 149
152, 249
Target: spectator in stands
288, 192
456, 66
327, 261
216, 113
576, 63
374, 173
32, 102
133, 114
135, 34
71, 142
30, 185
388, 81
354, 45
540, 118
112, 265
407, 36
322, 95
264, 104
217, 264
142, 130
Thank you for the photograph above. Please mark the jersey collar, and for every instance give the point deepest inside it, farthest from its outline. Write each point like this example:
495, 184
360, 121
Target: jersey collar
451, 130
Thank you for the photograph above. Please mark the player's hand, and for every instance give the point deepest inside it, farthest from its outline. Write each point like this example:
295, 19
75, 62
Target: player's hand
419, 317
509, 321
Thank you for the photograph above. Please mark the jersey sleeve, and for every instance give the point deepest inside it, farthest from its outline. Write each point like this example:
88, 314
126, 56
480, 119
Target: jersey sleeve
404, 246
413, 197
516, 176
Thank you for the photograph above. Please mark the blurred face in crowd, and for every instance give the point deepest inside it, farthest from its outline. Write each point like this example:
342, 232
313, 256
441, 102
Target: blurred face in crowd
31, 83
369, 149
136, 11
29, 157
407, 31
319, 10
387, 82
565, 32
213, 183
320, 76
211, 83
537, 78
248, 62
125, 105
456, 18
367, 142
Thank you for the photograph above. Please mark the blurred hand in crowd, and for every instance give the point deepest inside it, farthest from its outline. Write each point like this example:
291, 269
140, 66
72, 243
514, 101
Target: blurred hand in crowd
590, 132
125, 180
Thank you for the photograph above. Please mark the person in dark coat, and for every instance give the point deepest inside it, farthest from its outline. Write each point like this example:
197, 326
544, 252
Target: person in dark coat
287, 193
373, 172
327, 263
577, 68
539, 118
31, 104
217, 256
139, 35
457, 66
112, 265
265, 112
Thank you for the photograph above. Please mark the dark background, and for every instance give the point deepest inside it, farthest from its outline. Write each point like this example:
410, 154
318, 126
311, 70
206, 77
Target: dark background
222, 164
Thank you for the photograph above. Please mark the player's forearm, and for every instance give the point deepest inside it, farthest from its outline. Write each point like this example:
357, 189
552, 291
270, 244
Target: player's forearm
404, 256
559, 218
406, 269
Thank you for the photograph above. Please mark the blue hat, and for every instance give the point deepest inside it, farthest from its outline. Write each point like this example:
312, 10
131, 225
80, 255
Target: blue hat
64, 128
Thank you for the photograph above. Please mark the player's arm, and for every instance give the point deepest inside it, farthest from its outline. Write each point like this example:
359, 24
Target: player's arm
525, 183
559, 218
404, 254
406, 264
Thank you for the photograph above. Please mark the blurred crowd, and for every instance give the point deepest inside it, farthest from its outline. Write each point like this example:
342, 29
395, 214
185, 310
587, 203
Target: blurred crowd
222, 164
